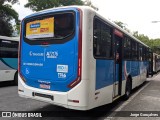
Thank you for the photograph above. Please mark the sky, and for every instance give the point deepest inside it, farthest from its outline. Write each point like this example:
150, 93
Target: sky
137, 15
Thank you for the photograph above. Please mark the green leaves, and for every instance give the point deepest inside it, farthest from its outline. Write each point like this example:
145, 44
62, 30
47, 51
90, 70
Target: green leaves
152, 43
37, 5
7, 15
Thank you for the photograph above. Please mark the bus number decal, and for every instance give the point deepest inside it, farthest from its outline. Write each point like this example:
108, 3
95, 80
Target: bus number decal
61, 75
52, 54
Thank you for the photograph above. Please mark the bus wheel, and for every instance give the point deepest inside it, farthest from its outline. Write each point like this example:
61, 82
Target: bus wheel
16, 78
147, 75
128, 88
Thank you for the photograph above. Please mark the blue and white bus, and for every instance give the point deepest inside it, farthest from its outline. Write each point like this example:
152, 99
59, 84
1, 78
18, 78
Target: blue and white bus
9, 59
75, 58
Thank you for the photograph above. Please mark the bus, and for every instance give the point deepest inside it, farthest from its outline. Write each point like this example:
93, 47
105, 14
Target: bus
156, 63
9, 59
151, 63
73, 57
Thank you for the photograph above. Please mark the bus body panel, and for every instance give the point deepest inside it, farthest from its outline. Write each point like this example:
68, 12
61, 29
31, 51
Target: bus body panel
55, 64
7, 75
49, 69
104, 73
137, 70
8, 68
60, 98
10, 62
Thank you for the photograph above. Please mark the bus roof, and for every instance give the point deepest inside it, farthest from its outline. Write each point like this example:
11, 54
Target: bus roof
10, 38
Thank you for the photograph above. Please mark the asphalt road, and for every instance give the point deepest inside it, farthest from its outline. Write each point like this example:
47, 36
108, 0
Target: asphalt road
144, 98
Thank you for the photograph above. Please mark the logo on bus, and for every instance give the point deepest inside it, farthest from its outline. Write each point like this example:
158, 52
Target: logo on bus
62, 68
52, 54
36, 54
36, 25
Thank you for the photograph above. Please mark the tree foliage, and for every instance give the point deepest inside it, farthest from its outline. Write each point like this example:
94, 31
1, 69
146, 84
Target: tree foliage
37, 5
7, 13
154, 44
122, 25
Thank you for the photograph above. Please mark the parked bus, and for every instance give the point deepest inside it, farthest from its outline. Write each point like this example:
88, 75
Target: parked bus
150, 68
9, 59
75, 58
156, 63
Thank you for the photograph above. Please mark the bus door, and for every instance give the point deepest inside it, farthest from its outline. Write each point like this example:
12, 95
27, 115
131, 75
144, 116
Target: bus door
118, 63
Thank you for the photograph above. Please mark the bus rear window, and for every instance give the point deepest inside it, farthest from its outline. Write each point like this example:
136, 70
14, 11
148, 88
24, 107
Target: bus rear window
58, 26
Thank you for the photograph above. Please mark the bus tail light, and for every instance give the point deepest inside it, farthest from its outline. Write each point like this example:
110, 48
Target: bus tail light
20, 90
74, 83
74, 101
78, 79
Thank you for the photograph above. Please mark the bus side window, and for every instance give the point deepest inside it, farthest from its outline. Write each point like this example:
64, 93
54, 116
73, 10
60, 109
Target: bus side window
127, 48
102, 43
8, 49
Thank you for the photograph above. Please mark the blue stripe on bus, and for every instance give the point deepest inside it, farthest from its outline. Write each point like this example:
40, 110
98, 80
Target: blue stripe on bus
35, 75
104, 73
10, 62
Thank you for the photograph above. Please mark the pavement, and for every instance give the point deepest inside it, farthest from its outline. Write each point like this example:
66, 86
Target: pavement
144, 104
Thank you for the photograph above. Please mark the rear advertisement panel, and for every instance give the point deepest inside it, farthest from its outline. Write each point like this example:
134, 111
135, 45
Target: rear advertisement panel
40, 28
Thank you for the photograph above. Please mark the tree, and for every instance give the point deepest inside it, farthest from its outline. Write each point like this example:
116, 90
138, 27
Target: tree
122, 25
37, 5
7, 14
145, 39
89, 3
152, 43
141, 37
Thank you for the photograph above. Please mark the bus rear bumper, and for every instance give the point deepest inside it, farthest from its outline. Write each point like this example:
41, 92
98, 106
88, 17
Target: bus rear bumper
52, 97
57, 98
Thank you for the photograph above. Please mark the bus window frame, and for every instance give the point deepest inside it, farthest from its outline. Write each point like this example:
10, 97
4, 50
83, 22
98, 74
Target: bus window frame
10, 56
49, 40
112, 43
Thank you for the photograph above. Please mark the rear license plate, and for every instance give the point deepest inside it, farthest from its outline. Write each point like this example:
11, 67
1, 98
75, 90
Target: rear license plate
44, 86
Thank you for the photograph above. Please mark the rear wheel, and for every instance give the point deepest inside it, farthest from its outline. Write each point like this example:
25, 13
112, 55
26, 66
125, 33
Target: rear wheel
128, 88
147, 75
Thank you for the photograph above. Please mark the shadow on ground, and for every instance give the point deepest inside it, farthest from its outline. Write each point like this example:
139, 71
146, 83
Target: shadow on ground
7, 83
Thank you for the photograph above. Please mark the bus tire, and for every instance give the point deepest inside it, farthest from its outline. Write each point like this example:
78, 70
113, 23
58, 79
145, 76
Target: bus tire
16, 78
128, 88
152, 74
147, 75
